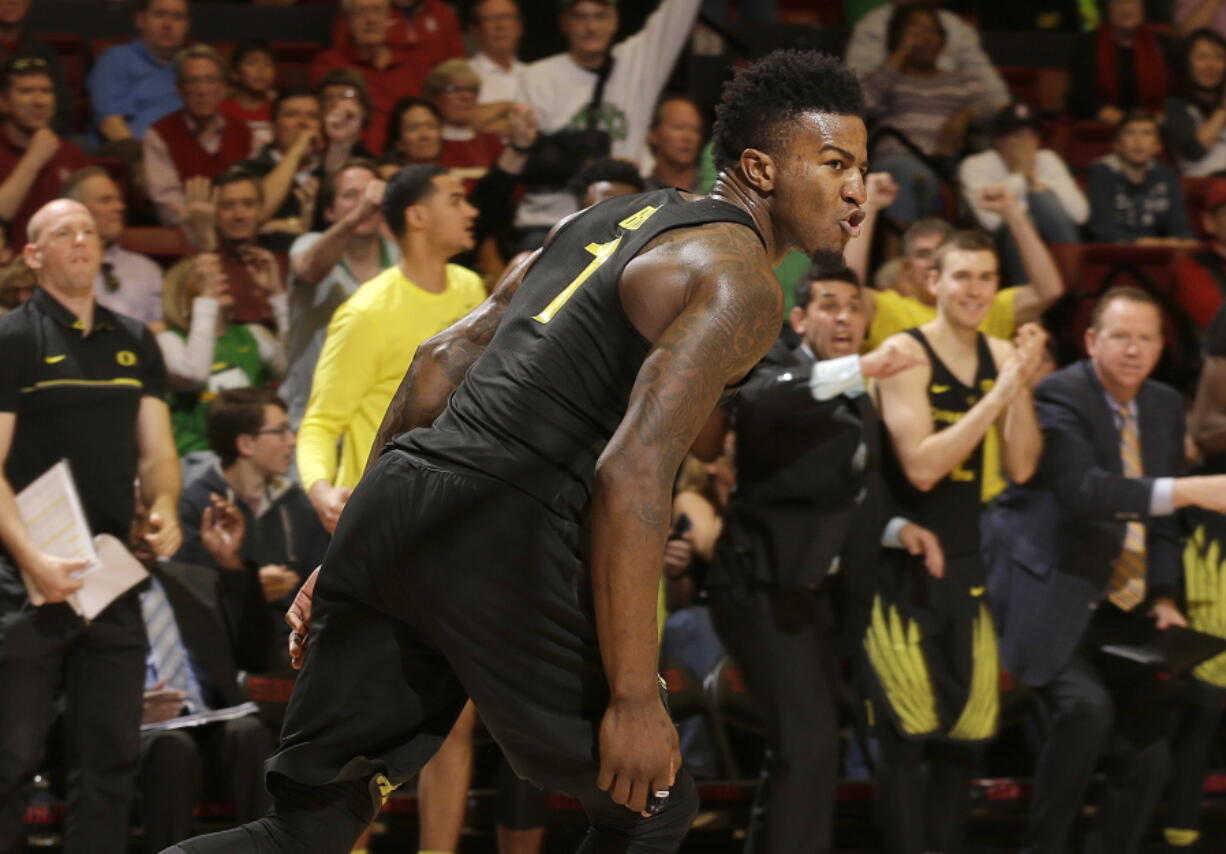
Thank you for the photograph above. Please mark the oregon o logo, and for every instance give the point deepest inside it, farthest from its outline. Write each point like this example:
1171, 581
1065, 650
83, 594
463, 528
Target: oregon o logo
126, 358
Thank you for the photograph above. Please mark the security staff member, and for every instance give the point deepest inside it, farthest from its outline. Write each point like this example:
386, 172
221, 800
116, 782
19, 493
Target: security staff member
81, 383
808, 499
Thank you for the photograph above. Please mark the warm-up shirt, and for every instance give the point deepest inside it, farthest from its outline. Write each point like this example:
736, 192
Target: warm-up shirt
370, 342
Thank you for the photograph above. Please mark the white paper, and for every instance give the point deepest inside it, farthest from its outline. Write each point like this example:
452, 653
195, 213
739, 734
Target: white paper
55, 521
202, 718
118, 571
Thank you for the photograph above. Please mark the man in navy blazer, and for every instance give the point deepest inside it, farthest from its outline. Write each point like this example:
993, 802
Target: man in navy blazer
1052, 551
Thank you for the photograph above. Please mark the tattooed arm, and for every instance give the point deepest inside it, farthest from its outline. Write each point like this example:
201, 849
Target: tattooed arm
726, 318
441, 362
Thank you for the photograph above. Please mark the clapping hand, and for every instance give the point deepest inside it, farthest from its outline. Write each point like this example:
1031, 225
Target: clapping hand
222, 530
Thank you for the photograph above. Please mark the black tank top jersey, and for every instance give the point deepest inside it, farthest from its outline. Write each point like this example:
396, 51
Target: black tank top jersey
951, 508
539, 406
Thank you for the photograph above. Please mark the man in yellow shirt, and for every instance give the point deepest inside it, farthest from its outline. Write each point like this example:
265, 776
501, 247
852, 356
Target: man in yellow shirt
893, 311
373, 335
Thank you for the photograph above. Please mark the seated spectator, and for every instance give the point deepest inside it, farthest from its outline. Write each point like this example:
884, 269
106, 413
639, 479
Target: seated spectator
1188, 16
344, 105
1134, 196
495, 27
467, 152
14, 42
389, 73
1196, 114
427, 31
34, 161
414, 135
290, 168
1036, 177
249, 431
195, 142
1123, 66
206, 351
206, 621
1200, 278
604, 179
229, 211
253, 73
133, 85
560, 90
128, 283
961, 52
327, 268
925, 112
675, 139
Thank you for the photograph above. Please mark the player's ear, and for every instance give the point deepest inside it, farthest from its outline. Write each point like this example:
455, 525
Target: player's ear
760, 169
797, 318
33, 256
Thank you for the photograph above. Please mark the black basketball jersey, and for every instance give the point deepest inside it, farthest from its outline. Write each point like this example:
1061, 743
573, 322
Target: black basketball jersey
538, 407
951, 508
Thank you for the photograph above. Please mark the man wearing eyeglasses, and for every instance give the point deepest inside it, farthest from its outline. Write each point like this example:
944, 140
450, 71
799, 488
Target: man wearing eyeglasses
34, 161
249, 430
197, 141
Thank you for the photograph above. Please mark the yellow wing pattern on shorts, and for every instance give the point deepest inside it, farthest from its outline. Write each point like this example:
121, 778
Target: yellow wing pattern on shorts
893, 646
1205, 579
979, 716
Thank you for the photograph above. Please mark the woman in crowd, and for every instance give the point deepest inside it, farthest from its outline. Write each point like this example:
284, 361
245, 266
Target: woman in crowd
205, 352
1196, 113
453, 86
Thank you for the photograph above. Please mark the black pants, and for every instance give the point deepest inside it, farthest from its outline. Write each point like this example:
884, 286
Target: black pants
179, 767
439, 586
1092, 720
100, 666
1195, 722
923, 793
784, 643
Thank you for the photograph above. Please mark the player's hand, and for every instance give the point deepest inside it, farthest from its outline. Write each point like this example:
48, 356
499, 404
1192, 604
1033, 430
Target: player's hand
889, 359
328, 501
639, 752
277, 580
298, 618
920, 541
1167, 615
53, 576
882, 190
160, 703
222, 529
163, 534
996, 198
1031, 344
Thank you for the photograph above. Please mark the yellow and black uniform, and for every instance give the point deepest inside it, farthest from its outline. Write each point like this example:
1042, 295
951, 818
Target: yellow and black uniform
456, 568
76, 395
928, 659
371, 341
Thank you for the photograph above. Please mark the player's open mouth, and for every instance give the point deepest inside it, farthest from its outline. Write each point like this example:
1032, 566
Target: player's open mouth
851, 225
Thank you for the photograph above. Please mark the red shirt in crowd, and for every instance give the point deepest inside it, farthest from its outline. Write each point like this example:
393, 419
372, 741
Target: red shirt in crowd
430, 30
1197, 290
470, 159
46, 187
402, 76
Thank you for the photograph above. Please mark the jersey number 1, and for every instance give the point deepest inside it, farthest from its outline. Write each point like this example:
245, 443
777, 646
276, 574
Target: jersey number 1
602, 251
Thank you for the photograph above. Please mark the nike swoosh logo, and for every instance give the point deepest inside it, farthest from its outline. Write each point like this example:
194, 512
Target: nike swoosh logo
939, 389
51, 360
978, 591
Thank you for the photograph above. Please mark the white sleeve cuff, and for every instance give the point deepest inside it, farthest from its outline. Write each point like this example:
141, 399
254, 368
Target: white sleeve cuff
890, 538
1162, 498
833, 377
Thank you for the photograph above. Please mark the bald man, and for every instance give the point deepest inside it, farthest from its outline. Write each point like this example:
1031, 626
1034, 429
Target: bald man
81, 383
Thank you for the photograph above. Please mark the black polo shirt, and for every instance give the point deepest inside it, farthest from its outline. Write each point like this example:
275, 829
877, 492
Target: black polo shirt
77, 396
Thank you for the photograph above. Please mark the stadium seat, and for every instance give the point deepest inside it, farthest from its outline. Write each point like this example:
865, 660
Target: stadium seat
166, 244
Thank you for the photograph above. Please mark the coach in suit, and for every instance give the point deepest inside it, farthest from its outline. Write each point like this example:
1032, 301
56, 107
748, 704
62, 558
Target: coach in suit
224, 626
809, 499
1088, 554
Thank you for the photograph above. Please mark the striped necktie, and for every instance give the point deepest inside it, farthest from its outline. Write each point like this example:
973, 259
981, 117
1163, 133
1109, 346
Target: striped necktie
1126, 589
167, 654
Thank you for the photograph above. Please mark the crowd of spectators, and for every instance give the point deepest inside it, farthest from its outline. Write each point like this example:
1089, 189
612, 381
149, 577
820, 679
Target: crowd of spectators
264, 259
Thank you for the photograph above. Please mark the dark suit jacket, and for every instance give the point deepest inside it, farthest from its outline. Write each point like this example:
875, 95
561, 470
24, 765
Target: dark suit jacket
1051, 542
224, 623
801, 477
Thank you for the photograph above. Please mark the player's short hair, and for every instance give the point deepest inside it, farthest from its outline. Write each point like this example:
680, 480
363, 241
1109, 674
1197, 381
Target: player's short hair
759, 102
71, 188
657, 115
236, 175
237, 412
921, 227
963, 240
1121, 292
327, 190
608, 169
821, 273
408, 187
902, 15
